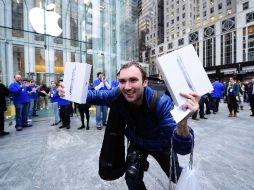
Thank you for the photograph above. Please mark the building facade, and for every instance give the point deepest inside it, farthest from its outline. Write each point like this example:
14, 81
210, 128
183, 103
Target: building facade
99, 32
221, 31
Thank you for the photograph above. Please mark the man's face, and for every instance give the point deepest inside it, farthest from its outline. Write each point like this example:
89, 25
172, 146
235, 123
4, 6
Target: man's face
231, 80
100, 77
132, 85
18, 78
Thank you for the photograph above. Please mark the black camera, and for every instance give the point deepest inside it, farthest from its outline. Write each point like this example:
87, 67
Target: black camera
136, 164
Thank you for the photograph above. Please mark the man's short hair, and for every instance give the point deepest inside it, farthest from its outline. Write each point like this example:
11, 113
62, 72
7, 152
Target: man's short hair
98, 74
133, 63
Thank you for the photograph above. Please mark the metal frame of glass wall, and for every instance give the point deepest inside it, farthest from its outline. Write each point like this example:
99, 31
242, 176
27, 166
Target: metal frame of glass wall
99, 32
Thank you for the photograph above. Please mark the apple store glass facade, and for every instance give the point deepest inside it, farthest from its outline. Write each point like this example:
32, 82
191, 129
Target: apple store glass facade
102, 33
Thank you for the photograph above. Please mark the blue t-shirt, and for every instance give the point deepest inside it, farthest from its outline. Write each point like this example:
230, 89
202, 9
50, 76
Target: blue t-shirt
231, 90
20, 95
54, 96
114, 84
97, 82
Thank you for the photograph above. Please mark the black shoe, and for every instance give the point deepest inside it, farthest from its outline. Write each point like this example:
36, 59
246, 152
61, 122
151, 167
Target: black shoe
35, 115
68, 127
82, 127
214, 112
203, 117
99, 128
87, 128
53, 124
19, 129
62, 126
195, 119
104, 124
252, 115
3, 133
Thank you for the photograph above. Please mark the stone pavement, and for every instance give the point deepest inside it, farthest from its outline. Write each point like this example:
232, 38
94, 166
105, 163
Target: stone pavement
45, 157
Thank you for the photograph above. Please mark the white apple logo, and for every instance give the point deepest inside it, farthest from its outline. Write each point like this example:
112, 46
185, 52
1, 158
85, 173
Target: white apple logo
37, 16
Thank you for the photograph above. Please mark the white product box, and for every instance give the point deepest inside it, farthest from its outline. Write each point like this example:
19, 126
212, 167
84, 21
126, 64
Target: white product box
183, 71
76, 81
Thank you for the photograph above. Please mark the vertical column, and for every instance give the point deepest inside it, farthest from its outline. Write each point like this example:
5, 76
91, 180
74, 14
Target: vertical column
201, 39
218, 42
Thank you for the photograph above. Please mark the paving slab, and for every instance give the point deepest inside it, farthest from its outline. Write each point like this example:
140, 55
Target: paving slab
45, 157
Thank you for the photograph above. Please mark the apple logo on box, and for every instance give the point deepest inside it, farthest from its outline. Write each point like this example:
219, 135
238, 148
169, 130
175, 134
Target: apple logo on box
37, 16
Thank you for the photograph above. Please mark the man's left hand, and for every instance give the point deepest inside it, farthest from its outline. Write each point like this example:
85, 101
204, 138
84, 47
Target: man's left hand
192, 103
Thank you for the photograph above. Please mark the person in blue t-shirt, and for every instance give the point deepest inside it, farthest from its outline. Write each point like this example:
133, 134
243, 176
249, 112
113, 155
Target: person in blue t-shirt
217, 94
19, 90
54, 99
101, 84
115, 83
64, 111
33, 95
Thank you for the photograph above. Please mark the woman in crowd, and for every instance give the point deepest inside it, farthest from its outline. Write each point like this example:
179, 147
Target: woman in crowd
54, 99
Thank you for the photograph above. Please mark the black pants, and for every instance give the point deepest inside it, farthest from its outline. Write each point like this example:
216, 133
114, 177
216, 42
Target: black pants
1, 121
251, 99
84, 109
232, 104
163, 158
65, 114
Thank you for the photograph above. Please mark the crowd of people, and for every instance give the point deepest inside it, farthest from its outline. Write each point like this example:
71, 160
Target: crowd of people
232, 92
28, 98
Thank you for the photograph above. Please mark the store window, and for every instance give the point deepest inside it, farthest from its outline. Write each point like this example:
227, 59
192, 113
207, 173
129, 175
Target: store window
251, 43
40, 66
244, 44
181, 42
74, 24
220, 6
58, 9
59, 69
17, 19
245, 5
73, 59
250, 17
18, 60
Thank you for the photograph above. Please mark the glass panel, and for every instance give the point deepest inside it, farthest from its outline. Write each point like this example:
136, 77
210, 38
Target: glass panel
18, 60
59, 69
17, 18
40, 66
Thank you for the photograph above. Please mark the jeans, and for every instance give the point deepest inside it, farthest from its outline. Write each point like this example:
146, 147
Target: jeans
22, 111
32, 107
56, 111
104, 111
216, 102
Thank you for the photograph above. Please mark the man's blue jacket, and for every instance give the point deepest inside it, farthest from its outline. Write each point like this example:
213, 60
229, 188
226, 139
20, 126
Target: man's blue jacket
159, 127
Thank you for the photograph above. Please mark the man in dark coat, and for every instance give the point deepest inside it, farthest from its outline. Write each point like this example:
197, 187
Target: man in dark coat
251, 96
3, 93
